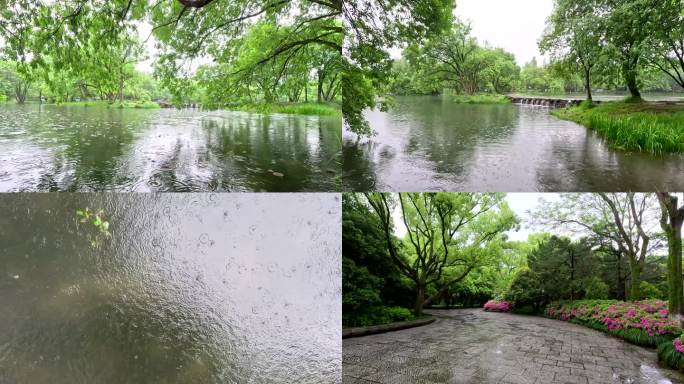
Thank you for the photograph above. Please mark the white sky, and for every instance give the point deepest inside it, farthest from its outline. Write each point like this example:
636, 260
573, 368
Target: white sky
515, 26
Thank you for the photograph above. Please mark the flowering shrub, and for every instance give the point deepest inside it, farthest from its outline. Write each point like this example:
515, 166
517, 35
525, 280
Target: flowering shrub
641, 322
672, 353
678, 344
497, 306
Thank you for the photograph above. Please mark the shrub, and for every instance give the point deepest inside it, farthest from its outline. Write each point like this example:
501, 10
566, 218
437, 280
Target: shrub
497, 306
525, 290
649, 291
596, 289
639, 322
378, 315
672, 353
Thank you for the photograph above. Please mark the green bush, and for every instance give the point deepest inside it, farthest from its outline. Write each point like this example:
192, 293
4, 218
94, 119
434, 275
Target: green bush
525, 291
378, 315
670, 356
649, 291
596, 289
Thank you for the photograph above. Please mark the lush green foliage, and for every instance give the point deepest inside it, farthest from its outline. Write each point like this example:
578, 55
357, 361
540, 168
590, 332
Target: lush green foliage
526, 291
370, 281
648, 127
597, 289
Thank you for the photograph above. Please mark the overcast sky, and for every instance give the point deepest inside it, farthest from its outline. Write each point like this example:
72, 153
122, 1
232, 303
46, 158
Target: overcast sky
515, 26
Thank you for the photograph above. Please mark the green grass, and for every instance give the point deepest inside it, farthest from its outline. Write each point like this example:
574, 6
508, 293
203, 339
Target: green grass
481, 99
117, 104
633, 125
291, 108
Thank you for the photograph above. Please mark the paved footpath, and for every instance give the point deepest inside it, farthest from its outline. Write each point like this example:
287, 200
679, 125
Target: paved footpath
473, 346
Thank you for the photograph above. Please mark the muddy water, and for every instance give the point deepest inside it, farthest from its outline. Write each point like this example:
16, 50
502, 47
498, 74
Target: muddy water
51, 148
181, 288
430, 143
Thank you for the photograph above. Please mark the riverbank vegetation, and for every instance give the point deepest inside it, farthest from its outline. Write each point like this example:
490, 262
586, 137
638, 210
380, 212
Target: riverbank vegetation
283, 56
481, 99
611, 261
649, 127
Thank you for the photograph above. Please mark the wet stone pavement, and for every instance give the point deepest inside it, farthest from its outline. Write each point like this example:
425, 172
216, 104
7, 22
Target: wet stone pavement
473, 346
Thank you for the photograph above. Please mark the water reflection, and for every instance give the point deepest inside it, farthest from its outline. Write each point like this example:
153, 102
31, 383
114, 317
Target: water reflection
49, 148
190, 288
429, 143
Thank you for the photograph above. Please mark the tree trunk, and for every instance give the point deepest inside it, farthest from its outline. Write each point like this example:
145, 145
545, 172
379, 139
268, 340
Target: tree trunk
671, 221
587, 83
121, 89
674, 272
620, 281
630, 73
635, 279
420, 299
321, 78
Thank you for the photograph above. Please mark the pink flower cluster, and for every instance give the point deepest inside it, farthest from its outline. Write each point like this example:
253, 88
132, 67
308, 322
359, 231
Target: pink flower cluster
678, 344
649, 316
497, 306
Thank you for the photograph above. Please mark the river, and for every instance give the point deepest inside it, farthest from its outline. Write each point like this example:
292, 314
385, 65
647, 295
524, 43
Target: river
58, 148
429, 143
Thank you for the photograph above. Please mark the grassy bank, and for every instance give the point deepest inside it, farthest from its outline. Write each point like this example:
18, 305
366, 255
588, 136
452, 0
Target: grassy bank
634, 126
117, 104
481, 99
290, 108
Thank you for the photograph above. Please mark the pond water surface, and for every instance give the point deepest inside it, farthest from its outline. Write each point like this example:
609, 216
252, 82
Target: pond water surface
56, 148
187, 288
430, 143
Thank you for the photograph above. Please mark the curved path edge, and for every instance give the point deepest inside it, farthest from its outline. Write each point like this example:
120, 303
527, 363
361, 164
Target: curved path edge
374, 329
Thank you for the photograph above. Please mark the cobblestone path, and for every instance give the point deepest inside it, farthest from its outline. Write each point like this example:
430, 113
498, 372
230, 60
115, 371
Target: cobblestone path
473, 346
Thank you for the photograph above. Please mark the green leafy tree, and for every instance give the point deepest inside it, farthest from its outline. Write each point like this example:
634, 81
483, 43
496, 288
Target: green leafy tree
448, 235
574, 35
562, 266
625, 220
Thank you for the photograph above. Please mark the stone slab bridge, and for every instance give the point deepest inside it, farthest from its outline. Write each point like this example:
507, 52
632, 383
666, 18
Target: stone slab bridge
473, 346
545, 101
